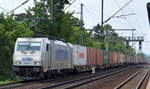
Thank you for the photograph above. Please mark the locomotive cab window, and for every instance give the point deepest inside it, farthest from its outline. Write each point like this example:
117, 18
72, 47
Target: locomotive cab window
28, 46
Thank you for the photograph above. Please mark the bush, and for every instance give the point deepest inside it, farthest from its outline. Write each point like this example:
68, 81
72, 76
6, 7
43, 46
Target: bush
2, 78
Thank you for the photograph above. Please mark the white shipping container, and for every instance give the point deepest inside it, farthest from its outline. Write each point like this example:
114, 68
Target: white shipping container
122, 58
79, 55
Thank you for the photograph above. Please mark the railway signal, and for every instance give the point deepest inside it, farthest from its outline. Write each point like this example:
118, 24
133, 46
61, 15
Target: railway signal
139, 39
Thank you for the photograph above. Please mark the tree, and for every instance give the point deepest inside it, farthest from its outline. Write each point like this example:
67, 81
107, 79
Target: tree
46, 20
10, 30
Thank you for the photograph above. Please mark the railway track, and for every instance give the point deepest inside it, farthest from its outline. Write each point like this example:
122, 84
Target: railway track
135, 81
40, 84
81, 81
68, 82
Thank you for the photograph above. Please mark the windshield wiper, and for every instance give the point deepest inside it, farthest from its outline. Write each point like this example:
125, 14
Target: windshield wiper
23, 50
32, 50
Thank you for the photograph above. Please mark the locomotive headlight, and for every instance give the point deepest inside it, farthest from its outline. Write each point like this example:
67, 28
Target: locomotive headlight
17, 62
37, 63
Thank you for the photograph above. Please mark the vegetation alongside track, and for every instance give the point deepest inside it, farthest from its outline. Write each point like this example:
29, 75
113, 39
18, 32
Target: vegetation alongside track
7, 82
64, 25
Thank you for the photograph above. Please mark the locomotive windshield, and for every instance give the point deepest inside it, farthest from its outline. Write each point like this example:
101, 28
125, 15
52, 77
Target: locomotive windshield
28, 46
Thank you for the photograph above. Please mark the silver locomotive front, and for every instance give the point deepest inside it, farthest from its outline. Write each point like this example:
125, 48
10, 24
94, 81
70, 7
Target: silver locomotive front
27, 57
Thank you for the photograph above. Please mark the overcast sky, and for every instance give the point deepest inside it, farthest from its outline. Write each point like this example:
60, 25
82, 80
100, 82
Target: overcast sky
92, 15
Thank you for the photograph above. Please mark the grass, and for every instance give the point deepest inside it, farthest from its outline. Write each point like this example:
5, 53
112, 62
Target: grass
7, 82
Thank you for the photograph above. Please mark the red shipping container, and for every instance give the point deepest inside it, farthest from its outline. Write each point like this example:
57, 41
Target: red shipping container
115, 58
99, 57
91, 56
111, 58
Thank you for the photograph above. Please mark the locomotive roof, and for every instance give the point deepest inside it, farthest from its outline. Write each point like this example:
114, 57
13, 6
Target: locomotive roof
59, 42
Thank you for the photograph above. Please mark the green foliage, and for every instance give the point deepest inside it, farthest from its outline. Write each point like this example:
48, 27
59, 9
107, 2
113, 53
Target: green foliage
10, 30
44, 21
116, 43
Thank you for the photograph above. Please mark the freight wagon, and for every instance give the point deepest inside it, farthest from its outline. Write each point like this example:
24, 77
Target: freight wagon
41, 57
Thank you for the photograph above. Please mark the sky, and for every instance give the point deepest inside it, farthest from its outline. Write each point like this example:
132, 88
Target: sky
92, 15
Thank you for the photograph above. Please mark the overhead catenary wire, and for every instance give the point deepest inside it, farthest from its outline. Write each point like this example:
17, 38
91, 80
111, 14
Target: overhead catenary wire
135, 24
59, 13
5, 10
125, 18
16, 8
88, 10
118, 11
92, 15
69, 5
29, 0
128, 22
19, 1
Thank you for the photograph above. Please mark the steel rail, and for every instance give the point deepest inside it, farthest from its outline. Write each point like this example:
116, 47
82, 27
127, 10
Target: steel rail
22, 84
142, 80
127, 80
82, 80
26, 83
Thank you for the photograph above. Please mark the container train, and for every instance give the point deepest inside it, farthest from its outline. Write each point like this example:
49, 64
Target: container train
42, 57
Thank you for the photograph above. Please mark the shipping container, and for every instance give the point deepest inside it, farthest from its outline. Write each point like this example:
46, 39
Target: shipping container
130, 59
119, 58
106, 58
111, 58
91, 56
136, 59
115, 58
122, 58
99, 57
79, 55
125, 58
139, 59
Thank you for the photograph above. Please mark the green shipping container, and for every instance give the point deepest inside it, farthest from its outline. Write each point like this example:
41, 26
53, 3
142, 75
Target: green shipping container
106, 58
